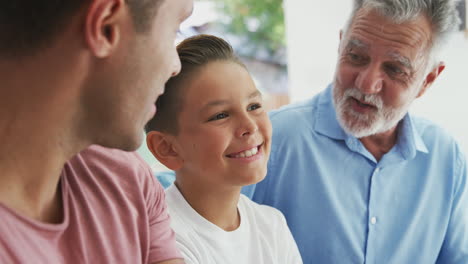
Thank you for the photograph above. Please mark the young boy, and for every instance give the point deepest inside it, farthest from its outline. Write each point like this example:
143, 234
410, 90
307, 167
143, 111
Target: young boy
213, 131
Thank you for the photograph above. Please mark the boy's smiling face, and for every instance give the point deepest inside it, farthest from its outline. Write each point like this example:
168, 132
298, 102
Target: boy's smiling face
224, 130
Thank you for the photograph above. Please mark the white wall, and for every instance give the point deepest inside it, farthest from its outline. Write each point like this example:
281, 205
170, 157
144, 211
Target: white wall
313, 35
312, 31
446, 102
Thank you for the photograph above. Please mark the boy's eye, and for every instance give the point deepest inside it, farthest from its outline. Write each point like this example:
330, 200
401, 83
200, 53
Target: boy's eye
253, 107
218, 116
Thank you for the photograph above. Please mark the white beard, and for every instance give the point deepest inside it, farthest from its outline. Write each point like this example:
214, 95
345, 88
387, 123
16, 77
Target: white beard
362, 125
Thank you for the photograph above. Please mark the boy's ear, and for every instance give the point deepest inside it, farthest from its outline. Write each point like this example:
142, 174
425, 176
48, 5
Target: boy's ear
103, 26
163, 148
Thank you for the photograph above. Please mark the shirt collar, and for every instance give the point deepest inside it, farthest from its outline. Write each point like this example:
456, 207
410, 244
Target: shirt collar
409, 140
326, 122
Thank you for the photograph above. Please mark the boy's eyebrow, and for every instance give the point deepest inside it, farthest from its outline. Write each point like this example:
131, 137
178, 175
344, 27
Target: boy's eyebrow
216, 103
257, 93
224, 102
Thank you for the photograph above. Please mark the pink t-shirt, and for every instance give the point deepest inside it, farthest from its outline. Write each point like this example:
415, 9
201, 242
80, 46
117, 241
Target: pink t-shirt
114, 212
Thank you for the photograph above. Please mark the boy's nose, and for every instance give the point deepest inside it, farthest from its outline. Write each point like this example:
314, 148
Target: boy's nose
247, 127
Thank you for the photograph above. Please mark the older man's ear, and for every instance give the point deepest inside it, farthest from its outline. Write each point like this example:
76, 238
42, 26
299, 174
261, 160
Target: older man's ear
431, 77
164, 149
341, 39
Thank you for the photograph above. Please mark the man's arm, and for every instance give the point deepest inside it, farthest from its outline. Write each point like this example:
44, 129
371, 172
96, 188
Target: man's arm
163, 248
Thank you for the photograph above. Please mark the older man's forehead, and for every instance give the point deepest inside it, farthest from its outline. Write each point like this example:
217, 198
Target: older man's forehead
393, 54
372, 24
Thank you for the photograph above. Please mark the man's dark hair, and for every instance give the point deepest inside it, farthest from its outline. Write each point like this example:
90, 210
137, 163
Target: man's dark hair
194, 53
27, 26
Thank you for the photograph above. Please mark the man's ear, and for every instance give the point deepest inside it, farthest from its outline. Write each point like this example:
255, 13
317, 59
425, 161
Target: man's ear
341, 39
431, 77
163, 148
103, 26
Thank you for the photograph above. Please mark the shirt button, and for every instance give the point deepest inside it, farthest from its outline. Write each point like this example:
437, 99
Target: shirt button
373, 220
377, 170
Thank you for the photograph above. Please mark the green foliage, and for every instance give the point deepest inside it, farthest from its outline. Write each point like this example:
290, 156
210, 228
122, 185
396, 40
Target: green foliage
260, 21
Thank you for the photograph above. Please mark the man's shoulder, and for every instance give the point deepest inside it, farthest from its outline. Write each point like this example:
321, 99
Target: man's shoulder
99, 155
433, 134
119, 189
440, 143
110, 161
111, 171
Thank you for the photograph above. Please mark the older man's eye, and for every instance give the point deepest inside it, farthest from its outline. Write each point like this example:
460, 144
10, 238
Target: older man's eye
395, 70
356, 58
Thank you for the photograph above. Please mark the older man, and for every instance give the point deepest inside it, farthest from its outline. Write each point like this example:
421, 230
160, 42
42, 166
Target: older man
359, 179
74, 74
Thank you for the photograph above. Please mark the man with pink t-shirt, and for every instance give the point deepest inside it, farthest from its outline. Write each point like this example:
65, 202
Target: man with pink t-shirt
79, 82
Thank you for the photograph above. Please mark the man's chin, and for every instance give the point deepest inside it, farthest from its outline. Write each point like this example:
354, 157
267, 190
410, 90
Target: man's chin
357, 128
358, 132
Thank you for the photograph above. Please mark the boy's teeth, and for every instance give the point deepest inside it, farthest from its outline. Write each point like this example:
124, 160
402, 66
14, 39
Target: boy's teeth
247, 153
254, 151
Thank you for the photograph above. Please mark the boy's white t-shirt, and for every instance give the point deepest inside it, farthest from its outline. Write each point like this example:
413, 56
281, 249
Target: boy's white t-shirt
263, 236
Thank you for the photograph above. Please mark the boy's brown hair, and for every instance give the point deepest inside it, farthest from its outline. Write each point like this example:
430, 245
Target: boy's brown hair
194, 52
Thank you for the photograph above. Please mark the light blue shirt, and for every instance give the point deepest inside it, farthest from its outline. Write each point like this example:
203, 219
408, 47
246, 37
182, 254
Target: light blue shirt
343, 206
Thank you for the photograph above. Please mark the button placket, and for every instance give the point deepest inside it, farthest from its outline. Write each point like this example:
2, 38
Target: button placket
372, 216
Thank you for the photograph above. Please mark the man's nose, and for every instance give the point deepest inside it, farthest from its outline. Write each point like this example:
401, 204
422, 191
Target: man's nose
369, 80
176, 66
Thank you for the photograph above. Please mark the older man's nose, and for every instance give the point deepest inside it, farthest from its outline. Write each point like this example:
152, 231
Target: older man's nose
369, 80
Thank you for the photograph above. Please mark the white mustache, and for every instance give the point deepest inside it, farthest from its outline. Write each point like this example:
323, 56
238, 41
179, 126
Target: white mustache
372, 99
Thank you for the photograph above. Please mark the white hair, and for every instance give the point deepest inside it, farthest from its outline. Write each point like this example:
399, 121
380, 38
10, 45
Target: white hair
442, 15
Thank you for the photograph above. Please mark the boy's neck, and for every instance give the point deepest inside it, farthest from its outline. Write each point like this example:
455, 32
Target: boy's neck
215, 204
